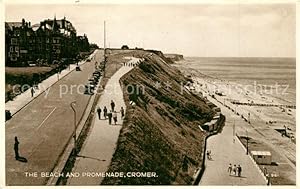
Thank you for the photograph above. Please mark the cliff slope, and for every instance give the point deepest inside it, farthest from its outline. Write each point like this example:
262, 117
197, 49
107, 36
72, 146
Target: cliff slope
160, 132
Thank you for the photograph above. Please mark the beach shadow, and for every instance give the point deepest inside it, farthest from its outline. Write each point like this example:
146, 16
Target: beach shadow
237, 176
91, 158
274, 163
22, 159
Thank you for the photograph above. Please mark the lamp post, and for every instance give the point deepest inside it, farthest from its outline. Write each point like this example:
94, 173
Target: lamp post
249, 117
247, 142
73, 108
233, 132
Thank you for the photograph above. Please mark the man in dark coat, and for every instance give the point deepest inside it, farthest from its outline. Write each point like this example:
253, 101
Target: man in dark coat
112, 104
99, 112
122, 112
16, 148
104, 112
32, 91
109, 117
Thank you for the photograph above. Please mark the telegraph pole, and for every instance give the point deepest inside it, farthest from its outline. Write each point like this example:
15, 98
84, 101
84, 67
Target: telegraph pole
104, 47
104, 40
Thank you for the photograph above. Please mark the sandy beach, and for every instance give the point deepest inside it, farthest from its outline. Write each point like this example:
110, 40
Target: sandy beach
270, 114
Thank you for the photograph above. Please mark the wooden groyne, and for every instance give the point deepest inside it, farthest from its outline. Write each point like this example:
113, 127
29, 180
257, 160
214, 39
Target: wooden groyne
261, 104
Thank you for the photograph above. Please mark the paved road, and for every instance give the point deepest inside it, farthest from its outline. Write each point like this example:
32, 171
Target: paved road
24, 98
225, 151
100, 145
44, 128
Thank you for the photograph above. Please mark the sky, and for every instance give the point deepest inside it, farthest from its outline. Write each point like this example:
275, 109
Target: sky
203, 30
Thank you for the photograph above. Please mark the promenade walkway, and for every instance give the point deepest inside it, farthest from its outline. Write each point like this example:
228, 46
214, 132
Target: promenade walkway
227, 149
98, 149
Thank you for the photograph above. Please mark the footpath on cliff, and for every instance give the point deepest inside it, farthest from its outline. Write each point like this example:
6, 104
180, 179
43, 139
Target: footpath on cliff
98, 149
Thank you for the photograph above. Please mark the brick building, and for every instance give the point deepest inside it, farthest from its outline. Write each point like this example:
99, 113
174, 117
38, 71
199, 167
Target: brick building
17, 38
49, 41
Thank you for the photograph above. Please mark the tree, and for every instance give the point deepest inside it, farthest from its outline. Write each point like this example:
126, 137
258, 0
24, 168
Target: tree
125, 47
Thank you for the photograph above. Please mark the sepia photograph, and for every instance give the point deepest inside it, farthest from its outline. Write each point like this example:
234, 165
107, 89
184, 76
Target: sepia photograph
173, 94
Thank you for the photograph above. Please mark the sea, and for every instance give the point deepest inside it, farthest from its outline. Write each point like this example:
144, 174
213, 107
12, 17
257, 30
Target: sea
244, 70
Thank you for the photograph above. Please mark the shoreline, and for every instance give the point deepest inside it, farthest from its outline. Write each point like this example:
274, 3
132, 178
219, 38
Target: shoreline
266, 122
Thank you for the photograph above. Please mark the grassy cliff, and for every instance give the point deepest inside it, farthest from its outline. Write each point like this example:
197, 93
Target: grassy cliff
160, 132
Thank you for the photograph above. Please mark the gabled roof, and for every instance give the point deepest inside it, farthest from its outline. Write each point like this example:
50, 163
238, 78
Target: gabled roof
261, 153
10, 25
35, 27
58, 24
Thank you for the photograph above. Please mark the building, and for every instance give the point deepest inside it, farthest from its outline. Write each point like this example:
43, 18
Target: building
18, 48
83, 43
56, 39
262, 157
49, 41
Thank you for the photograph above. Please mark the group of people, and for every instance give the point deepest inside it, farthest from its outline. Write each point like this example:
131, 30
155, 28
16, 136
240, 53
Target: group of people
112, 114
208, 154
130, 64
235, 170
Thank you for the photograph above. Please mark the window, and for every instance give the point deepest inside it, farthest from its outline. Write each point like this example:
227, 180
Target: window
259, 156
55, 40
14, 41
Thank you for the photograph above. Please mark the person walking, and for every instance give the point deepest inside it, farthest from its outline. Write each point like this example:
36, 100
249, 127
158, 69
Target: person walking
104, 112
16, 148
115, 117
122, 112
99, 112
229, 168
109, 115
234, 170
32, 91
239, 170
208, 154
112, 104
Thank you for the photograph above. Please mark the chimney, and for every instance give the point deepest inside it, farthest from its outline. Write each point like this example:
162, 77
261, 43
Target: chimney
64, 23
23, 22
